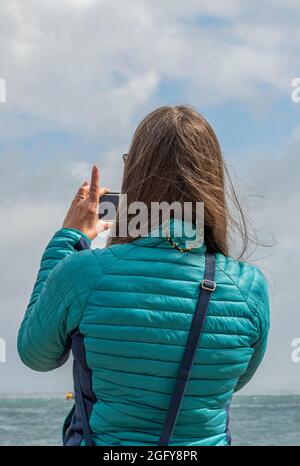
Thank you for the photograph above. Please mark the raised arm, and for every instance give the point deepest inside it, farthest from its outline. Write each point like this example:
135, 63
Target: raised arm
43, 335
55, 307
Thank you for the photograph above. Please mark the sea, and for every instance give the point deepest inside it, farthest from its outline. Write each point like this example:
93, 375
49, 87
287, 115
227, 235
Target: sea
254, 420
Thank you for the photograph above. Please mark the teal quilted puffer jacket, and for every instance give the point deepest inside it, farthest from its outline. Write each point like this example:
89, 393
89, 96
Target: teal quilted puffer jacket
126, 311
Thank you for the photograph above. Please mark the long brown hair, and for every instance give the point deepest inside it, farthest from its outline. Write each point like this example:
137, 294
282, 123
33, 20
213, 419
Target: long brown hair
175, 156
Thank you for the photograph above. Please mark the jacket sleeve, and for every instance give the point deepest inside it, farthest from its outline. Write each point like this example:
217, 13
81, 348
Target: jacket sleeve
43, 342
258, 302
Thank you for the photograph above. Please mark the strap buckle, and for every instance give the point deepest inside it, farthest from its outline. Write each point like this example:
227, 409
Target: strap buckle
208, 285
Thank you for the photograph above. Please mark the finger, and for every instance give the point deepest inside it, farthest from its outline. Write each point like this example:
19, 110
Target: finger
94, 187
107, 225
103, 226
82, 192
103, 191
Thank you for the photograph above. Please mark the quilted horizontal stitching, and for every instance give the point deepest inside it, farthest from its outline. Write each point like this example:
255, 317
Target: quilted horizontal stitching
137, 326
128, 416
143, 374
163, 278
146, 326
163, 361
126, 403
154, 309
159, 278
152, 293
162, 295
170, 279
167, 394
171, 344
112, 406
161, 240
159, 261
217, 348
154, 344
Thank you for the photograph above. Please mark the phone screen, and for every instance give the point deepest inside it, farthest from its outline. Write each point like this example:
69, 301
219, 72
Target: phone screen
108, 206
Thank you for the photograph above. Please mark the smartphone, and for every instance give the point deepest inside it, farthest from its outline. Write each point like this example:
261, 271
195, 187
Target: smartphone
108, 206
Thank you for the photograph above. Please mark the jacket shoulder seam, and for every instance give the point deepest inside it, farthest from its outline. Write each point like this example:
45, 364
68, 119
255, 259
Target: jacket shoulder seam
239, 288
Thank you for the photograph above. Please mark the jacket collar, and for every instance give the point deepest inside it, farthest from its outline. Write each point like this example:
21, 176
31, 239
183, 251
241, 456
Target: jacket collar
181, 232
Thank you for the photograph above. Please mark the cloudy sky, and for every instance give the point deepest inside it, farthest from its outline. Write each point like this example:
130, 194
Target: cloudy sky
80, 74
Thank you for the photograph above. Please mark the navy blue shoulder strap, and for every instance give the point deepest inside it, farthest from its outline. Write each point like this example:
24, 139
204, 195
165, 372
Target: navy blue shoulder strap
208, 285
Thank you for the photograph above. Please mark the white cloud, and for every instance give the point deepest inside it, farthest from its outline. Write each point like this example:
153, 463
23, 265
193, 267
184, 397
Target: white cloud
85, 65
192, 8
